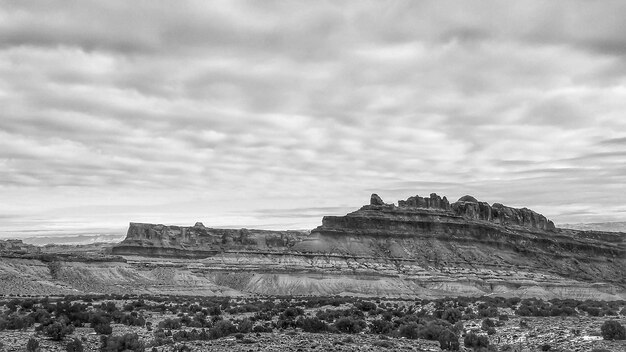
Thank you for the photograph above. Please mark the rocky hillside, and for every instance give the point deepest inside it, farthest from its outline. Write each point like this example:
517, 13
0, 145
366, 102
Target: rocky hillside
423, 246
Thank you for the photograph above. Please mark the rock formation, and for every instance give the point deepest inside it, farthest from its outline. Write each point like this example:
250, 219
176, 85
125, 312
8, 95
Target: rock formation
17, 246
201, 241
433, 202
376, 200
421, 247
470, 208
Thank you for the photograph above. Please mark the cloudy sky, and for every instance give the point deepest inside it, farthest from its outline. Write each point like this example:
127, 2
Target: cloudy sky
273, 113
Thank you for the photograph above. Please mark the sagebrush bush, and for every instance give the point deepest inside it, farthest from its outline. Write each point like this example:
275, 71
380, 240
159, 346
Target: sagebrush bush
472, 340
222, 328
452, 315
350, 325
312, 325
103, 328
75, 345
58, 330
380, 326
448, 340
613, 330
126, 342
409, 330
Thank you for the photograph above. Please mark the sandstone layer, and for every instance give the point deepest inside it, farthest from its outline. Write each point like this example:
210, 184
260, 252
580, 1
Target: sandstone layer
199, 241
421, 247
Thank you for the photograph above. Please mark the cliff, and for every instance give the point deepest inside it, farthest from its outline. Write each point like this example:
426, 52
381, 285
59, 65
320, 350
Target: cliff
201, 241
423, 246
468, 233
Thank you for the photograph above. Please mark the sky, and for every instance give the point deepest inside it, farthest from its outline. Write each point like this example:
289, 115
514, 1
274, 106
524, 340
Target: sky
271, 114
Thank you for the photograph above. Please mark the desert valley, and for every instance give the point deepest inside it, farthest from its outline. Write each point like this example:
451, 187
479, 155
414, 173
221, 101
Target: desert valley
312, 176
415, 262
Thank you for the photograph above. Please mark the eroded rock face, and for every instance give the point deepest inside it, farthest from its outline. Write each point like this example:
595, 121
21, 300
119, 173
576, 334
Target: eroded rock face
501, 214
200, 241
470, 208
424, 246
432, 202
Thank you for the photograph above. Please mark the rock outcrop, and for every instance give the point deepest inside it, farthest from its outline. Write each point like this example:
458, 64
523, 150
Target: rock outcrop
376, 200
201, 241
432, 202
423, 246
470, 208
18, 246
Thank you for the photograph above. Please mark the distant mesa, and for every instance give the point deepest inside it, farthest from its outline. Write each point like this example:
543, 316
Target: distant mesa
420, 246
17, 246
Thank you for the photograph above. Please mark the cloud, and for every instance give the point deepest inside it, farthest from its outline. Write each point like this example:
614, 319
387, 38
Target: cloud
239, 106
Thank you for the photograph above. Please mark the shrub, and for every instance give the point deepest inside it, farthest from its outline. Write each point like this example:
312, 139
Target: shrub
108, 307
74, 346
292, 312
350, 325
27, 304
312, 325
448, 340
434, 329
133, 319
40, 316
410, 330
365, 306
381, 326
222, 328
170, 324
490, 312
593, 311
613, 330
121, 343
472, 340
487, 323
32, 345
452, 315
58, 330
285, 324
16, 321
103, 328
214, 310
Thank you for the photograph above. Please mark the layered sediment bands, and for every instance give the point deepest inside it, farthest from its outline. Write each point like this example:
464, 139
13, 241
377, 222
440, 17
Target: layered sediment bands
199, 241
424, 246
